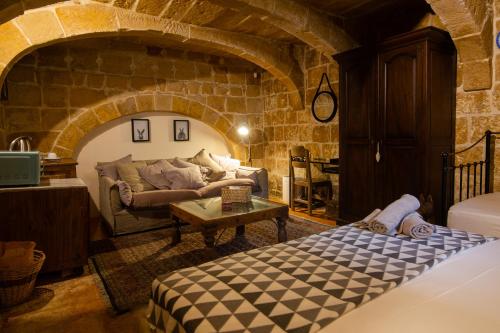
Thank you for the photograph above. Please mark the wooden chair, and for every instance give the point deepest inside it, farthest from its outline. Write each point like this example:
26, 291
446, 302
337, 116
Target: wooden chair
299, 158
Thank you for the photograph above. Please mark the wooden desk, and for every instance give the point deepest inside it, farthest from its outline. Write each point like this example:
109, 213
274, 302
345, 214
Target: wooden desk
328, 166
54, 215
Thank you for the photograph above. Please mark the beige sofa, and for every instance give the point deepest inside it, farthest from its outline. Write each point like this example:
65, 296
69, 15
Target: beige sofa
149, 209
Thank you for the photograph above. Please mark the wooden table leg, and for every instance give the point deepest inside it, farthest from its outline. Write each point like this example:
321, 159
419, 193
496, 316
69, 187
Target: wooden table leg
240, 231
281, 224
209, 236
176, 238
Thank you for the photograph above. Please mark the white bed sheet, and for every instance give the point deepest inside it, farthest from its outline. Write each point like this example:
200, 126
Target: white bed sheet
460, 295
480, 214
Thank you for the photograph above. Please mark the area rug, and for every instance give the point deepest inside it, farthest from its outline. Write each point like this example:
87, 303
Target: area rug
125, 266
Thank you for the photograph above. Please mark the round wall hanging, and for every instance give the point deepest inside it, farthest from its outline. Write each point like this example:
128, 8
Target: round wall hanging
324, 104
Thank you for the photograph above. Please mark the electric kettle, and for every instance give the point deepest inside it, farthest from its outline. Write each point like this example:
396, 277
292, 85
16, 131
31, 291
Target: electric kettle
21, 143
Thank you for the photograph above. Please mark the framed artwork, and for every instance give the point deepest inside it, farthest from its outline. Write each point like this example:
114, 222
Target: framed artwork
181, 130
140, 130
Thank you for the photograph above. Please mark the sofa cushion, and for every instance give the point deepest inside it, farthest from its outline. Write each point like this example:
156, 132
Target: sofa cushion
128, 173
161, 198
126, 194
227, 163
108, 169
203, 158
249, 174
207, 174
214, 189
185, 178
154, 174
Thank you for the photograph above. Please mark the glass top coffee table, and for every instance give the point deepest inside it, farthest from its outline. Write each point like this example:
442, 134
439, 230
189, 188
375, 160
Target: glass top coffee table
207, 216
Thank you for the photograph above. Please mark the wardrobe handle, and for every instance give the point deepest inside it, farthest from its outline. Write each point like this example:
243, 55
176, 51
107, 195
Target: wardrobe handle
377, 155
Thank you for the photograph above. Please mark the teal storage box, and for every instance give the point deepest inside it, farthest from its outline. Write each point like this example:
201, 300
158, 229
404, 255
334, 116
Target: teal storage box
19, 168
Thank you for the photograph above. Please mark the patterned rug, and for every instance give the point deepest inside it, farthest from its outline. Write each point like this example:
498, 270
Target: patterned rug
126, 266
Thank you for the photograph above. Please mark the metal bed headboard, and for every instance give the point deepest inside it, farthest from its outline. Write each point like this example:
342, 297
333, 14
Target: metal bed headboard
481, 183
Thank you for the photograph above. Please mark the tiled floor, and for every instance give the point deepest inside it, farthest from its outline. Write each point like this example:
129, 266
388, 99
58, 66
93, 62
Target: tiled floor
75, 305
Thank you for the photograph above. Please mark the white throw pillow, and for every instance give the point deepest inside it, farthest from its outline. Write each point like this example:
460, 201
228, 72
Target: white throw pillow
227, 163
185, 178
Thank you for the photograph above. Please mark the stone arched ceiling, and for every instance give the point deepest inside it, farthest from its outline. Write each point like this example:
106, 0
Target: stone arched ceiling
298, 19
283, 22
469, 23
68, 21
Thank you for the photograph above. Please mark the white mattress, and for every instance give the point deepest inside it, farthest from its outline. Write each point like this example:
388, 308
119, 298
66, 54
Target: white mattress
480, 214
460, 295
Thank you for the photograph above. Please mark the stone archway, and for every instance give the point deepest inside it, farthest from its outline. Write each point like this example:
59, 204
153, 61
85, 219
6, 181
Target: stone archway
470, 24
68, 21
127, 104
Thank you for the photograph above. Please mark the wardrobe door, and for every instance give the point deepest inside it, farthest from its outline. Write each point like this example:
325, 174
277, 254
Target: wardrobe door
401, 115
356, 153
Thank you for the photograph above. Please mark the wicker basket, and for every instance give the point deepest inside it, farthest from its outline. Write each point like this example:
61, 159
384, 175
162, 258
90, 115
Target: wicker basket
17, 285
240, 194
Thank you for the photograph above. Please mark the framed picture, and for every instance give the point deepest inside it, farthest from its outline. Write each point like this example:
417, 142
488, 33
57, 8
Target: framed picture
181, 130
140, 130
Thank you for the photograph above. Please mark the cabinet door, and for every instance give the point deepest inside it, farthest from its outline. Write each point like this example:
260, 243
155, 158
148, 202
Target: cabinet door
401, 119
357, 106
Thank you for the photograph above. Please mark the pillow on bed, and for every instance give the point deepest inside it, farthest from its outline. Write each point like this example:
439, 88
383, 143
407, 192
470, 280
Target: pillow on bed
154, 175
125, 191
108, 169
129, 173
189, 178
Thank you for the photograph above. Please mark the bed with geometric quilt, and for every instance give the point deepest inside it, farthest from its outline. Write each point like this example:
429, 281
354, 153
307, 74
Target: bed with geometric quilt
299, 286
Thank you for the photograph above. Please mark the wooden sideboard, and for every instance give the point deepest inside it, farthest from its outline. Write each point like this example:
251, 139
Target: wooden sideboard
55, 215
62, 168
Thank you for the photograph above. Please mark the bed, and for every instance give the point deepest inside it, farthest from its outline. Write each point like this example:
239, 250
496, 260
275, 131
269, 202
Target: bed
467, 190
480, 214
312, 285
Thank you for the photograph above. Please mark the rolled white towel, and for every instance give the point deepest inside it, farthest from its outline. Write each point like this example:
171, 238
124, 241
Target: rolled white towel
415, 226
365, 223
389, 219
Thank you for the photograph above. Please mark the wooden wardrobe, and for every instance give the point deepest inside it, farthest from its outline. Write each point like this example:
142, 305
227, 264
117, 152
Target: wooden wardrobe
397, 114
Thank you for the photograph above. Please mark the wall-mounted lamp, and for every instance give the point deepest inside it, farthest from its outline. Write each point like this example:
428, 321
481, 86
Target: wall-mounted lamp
244, 132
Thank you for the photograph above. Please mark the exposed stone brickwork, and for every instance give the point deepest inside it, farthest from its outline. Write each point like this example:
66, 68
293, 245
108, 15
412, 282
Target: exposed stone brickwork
61, 93
63, 21
470, 23
478, 111
285, 127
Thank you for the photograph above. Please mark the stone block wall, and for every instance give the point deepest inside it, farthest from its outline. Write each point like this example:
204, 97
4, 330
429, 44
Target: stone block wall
51, 90
479, 110
285, 127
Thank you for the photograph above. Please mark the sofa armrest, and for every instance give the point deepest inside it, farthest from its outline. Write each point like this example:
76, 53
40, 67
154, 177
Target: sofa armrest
109, 199
262, 179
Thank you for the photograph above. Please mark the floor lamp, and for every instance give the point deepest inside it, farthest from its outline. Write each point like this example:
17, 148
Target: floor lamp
243, 131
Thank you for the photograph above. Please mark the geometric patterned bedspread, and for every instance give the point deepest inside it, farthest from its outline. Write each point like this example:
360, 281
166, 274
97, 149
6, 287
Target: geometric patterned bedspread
298, 286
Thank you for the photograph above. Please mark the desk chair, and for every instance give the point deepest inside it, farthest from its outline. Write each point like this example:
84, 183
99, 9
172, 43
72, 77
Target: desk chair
299, 158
